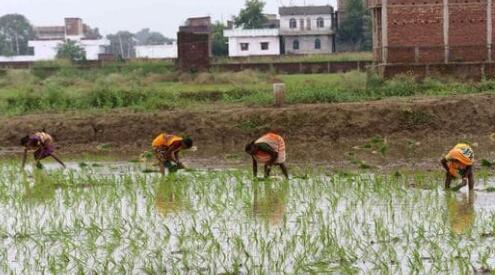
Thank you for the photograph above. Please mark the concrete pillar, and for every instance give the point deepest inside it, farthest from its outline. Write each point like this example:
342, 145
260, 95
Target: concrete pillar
384, 32
279, 94
489, 29
446, 21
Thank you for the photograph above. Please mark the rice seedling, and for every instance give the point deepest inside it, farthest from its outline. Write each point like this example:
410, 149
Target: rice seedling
112, 218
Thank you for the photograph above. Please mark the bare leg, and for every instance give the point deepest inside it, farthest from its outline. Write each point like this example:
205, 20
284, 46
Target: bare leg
471, 180
284, 170
162, 167
268, 169
24, 157
58, 160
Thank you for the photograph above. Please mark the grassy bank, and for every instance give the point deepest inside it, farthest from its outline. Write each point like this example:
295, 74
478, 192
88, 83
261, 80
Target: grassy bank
153, 87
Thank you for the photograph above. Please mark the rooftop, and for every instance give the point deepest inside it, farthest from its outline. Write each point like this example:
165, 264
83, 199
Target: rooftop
305, 10
251, 33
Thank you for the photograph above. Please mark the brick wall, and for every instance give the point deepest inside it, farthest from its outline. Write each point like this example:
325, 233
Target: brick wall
415, 25
467, 24
194, 51
415, 31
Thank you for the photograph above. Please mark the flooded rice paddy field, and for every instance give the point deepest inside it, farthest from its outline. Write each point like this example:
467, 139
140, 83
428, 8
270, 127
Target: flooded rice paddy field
112, 218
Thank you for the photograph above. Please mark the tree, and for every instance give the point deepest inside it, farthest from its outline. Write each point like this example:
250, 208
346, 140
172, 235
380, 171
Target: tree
354, 28
72, 51
219, 43
122, 44
147, 37
15, 32
251, 17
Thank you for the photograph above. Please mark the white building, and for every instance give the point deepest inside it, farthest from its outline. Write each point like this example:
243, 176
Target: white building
51, 37
256, 42
307, 29
167, 51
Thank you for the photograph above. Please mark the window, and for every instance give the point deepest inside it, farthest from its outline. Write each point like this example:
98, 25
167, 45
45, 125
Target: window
264, 46
244, 46
295, 44
308, 24
293, 23
317, 44
320, 22
301, 24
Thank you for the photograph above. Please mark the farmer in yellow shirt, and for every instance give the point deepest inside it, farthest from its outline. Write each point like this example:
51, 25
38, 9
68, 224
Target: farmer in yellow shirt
459, 164
167, 147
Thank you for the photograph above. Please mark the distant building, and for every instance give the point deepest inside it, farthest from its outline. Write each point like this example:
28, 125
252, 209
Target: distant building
271, 22
307, 29
167, 51
49, 38
194, 44
254, 42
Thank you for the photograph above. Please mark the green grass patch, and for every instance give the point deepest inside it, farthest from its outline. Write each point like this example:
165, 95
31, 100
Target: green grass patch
148, 86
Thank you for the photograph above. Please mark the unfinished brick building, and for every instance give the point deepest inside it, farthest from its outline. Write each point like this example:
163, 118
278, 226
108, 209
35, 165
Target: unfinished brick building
425, 37
194, 45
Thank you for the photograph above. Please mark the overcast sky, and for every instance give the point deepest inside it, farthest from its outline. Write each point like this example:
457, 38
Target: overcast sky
114, 15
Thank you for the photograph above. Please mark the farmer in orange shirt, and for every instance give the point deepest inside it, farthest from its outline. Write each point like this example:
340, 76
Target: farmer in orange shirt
269, 150
459, 163
167, 147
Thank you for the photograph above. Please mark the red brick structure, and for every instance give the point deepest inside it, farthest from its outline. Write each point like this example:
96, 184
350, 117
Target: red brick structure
418, 35
194, 44
74, 26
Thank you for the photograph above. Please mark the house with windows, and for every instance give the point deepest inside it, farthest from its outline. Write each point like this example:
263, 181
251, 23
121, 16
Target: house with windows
253, 42
50, 38
307, 29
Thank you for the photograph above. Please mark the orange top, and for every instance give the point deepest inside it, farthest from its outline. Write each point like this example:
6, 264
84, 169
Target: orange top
459, 158
165, 140
276, 143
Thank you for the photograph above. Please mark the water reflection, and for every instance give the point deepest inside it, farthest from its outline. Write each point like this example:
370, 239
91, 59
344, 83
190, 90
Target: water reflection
461, 214
270, 201
41, 190
170, 196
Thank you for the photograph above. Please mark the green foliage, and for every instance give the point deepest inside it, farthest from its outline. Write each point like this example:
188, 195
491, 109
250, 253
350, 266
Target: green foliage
486, 163
70, 50
219, 43
147, 37
356, 26
60, 86
251, 16
15, 32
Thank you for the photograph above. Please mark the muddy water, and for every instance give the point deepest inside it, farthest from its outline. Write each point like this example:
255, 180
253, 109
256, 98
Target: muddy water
109, 217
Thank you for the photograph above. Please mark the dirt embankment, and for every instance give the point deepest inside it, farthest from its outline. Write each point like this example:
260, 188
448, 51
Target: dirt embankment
414, 130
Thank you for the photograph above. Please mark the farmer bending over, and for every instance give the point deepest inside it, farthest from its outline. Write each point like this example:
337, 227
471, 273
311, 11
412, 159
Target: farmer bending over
42, 145
459, 163
167, 147
269, 150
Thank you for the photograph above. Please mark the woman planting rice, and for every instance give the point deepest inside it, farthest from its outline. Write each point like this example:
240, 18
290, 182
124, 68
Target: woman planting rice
459, 163
269, 150
42, 145
167, 147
